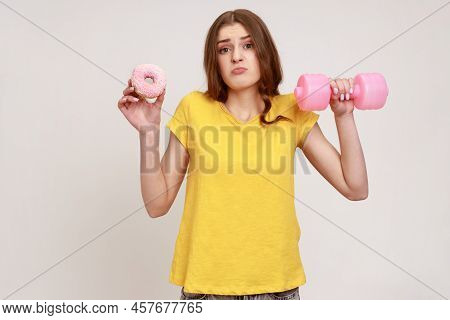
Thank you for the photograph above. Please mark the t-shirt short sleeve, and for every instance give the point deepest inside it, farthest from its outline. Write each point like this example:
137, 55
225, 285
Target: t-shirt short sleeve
179, 123
305, 120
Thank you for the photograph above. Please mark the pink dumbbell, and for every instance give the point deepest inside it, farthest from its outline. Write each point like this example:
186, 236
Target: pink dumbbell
313, 91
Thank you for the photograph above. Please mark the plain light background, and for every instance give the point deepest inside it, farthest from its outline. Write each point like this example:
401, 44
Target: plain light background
70, 188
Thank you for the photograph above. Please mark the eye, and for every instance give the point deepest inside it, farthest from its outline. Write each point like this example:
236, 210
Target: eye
251, 44
220, 50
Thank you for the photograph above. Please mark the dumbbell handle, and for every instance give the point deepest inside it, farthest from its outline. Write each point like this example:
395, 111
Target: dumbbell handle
313, 91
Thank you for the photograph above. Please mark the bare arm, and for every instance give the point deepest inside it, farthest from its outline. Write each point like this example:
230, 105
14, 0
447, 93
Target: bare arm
346, 172
161, 180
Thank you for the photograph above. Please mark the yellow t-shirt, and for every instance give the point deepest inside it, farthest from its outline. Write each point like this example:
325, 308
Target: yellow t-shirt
239, 231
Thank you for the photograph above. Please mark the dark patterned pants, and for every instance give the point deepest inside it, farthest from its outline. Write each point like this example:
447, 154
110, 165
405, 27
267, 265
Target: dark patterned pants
291, 294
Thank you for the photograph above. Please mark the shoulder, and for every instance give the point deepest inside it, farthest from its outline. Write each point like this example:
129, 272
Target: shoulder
199, 101
187, 100
187, 97
200, 96
284, 100
195, 97
285, 105
197, 106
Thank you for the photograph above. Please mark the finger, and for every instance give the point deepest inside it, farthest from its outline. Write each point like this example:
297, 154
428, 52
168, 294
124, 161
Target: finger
129, 83
122, 100
160, 98
341, 87
162, 93
121, 103
132, 99
128, 91
351, 85
127, 99
132, 93
347, 88
334, 89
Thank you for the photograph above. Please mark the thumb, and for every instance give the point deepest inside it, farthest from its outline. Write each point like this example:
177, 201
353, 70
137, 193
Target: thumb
160, 98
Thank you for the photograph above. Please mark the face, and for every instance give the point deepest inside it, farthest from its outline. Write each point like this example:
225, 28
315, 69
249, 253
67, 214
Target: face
237, 51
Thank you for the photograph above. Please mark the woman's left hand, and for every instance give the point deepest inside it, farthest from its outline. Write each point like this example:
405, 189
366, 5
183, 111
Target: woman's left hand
341, 101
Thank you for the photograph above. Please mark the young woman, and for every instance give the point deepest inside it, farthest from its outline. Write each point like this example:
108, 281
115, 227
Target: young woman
239, 232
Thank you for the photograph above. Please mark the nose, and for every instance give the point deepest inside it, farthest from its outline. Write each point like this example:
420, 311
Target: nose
236, 55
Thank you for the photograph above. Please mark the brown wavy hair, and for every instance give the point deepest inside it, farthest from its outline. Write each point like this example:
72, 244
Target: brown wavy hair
269, 60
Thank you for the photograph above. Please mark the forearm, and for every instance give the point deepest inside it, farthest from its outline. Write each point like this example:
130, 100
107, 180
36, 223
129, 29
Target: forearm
153, 185
352, 157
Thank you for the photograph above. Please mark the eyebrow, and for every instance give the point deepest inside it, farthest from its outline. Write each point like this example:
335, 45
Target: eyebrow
226, 40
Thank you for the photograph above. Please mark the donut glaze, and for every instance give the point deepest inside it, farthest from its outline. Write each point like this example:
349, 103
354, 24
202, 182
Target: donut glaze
145, 89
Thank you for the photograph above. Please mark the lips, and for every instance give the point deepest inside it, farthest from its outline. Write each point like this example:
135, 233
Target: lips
239, 70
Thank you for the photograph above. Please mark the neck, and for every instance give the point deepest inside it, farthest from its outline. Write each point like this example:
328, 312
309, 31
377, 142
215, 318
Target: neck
245, 103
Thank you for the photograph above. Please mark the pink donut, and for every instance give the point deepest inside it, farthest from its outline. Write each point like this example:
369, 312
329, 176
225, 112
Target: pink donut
145, 89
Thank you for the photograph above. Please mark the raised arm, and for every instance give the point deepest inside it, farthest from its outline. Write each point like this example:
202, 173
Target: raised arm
174, 166
345, 171
161, 180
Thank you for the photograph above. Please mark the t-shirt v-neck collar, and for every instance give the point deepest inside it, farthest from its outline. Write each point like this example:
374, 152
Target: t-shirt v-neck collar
236, 120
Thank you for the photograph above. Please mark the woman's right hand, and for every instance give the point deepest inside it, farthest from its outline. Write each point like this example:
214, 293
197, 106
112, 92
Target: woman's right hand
140, 113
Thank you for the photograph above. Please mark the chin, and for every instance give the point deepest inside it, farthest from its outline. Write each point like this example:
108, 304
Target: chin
241, 85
